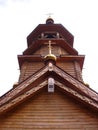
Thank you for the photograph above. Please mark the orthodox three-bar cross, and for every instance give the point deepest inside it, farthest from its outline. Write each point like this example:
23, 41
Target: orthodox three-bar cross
49, 45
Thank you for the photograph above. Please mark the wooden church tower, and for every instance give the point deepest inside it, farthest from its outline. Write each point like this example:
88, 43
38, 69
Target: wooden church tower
50, 93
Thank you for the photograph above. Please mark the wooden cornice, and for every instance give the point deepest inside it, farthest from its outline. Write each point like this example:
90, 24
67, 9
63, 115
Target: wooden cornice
40, 58
78, 58
37, 81
29, 58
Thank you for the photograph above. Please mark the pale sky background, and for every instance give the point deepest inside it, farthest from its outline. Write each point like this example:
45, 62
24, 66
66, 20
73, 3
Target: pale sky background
19, 17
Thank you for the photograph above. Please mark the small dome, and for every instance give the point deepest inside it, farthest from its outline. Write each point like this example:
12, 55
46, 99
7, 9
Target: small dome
49, 21
50, 57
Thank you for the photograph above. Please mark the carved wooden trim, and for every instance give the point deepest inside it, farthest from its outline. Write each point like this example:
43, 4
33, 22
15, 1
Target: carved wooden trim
77, 95
11, 94
21, 97
79, 85
79, 89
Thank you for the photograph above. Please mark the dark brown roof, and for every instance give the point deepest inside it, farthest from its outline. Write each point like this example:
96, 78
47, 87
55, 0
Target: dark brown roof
50, 27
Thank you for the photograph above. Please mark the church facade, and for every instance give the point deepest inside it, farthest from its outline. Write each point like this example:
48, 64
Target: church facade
50, 93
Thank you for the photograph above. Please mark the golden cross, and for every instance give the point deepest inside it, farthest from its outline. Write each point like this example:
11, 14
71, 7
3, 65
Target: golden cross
49, 47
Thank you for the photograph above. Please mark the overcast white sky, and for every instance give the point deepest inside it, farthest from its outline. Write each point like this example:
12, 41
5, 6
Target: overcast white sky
19, 17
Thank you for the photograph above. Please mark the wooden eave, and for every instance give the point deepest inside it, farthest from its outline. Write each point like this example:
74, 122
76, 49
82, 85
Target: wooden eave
60, 42
37, 81
39, 58
50, 27
29, 58
78, 58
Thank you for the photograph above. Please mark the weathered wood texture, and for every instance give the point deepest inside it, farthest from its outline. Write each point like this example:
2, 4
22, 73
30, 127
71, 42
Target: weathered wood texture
68, 67
50, 111
78, 71
29, 68
72, 68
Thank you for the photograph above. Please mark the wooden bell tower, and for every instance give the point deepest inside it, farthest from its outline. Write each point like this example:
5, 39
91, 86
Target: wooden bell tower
61, 39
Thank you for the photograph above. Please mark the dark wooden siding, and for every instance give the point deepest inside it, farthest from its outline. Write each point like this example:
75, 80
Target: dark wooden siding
50, 111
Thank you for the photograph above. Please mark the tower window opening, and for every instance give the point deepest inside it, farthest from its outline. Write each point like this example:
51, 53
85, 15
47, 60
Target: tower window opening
48, 35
